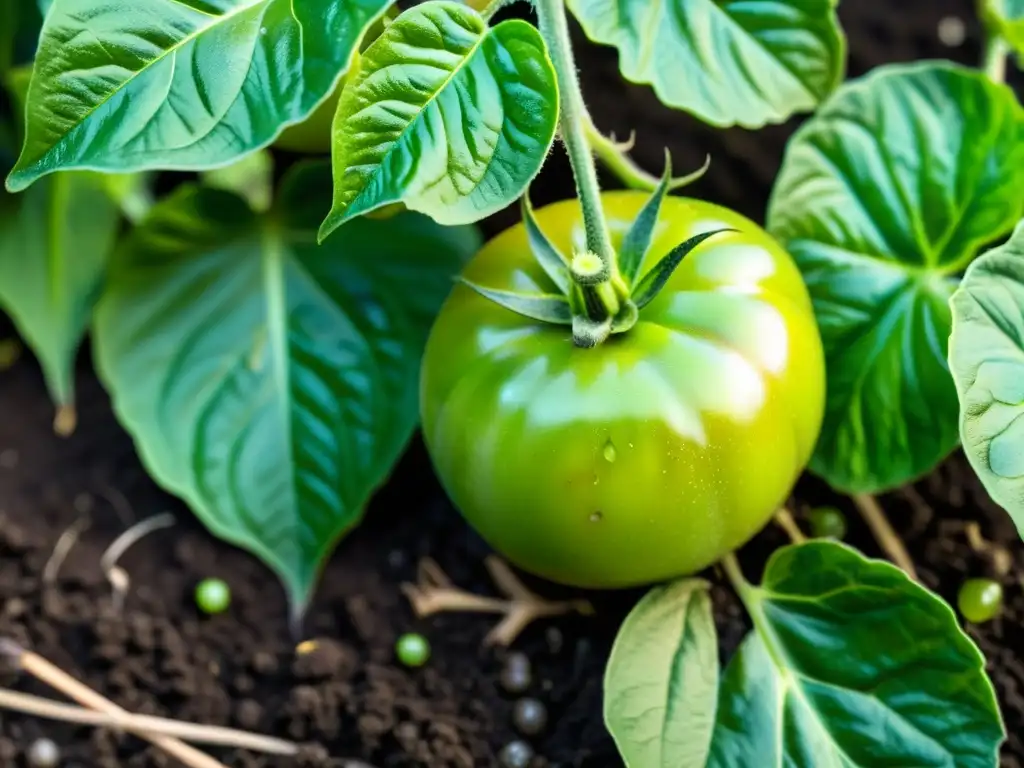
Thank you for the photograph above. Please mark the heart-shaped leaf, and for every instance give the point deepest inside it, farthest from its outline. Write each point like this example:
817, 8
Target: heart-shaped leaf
884, 196
445, 114
180, 83
730, 62
852, 664
986, 356
661, 683
269, 382
55, 244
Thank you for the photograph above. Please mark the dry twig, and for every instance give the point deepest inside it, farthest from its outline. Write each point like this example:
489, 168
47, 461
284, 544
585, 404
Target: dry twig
998, 555
884, 533
434, 593
60, 680
143, 725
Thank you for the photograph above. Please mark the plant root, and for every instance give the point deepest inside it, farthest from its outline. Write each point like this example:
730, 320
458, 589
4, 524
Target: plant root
998, 555
64, 544
435, 593
117, 576
884, 533
784, 519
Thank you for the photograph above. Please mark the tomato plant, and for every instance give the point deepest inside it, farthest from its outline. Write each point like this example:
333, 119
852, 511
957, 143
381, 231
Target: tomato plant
619, 390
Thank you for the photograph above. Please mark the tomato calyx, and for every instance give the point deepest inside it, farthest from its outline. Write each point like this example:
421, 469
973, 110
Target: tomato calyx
596, 298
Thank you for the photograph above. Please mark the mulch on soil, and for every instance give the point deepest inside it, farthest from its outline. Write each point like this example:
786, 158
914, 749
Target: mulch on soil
349, 698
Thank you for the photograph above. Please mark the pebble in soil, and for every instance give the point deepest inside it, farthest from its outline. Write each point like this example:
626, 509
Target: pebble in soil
43, 753
516, 673
530, 717
516, 754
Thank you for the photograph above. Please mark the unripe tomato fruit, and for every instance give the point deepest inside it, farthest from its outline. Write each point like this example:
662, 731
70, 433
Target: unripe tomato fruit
658, 451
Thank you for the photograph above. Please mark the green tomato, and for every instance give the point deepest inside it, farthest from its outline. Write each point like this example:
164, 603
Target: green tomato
213, 596
412, 650
827, 523
653, 454
980, 600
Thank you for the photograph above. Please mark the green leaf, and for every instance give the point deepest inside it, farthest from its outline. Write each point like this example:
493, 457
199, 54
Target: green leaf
269, 382
546, 307
637, 240
445, 114
730, 62
986, 356
180, 84
548, 256
661, 683
1005, 18
44, 6
251, 178
887, 193
651, 283
55, 244
852, 664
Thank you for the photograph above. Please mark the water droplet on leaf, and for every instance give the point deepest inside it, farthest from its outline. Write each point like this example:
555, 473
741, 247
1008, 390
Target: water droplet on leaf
596, 517
609, 452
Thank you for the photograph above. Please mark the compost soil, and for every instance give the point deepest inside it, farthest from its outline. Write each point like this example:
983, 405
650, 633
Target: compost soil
347, 698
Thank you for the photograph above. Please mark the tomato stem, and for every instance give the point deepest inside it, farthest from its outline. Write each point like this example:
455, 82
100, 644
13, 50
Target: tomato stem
573, 122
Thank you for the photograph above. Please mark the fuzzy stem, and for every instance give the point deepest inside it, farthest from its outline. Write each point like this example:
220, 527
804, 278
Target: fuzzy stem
573, 122
994, 62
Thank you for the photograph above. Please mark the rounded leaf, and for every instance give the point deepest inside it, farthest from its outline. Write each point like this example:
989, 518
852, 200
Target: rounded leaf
661, 683
730, 62
445, 114
1005, 18
180, 83
268, 381
986, 356
852, 664
884, 195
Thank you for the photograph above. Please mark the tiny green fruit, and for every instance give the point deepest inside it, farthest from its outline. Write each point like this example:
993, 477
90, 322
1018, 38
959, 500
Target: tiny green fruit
213, 596
413, 650
980, 600
827, 523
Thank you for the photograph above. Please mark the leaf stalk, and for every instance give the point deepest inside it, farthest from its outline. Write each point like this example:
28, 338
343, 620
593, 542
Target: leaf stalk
994, 61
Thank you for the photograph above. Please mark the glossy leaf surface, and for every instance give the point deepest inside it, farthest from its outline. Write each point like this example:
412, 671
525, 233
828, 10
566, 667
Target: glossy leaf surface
986, 355
180, 83
661, 683
883, 197
852, 664
446, 115
268, 381
730, 62
55, 243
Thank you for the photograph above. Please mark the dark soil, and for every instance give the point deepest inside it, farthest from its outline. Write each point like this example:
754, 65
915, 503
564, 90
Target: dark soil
348, 697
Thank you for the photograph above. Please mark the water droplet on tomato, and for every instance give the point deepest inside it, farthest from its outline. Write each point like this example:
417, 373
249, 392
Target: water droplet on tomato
609, 452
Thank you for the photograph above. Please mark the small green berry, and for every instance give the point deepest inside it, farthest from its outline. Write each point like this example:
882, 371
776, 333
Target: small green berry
413, 650
43, 753
827, 523
980, 600
213, 596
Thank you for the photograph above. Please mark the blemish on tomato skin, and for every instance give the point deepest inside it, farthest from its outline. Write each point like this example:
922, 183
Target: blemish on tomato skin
596, 517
